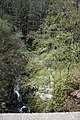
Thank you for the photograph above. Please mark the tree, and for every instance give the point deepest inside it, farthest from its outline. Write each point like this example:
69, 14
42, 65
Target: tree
26, 14
77, 6
12, 61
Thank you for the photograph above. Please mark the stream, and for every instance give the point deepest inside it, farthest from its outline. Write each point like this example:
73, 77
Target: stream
48, 88
21, 107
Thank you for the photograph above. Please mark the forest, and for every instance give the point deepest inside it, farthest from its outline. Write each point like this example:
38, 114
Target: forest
39, 56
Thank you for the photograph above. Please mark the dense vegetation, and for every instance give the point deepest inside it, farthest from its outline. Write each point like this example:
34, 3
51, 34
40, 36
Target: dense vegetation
42, 39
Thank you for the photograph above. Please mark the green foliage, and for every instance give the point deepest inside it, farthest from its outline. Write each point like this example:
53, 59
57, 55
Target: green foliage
12, 60
61, 91
56, 53
25, 14
51, 33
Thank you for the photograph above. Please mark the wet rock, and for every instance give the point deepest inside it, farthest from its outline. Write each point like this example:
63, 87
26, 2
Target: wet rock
3, 105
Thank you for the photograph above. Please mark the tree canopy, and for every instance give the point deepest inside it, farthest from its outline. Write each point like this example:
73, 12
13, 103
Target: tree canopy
41, 39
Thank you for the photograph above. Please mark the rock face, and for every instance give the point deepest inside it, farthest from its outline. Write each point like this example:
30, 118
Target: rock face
76, 94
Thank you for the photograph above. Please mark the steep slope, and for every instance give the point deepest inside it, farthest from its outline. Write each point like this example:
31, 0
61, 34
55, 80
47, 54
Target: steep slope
12, 61
55, 49
51, 81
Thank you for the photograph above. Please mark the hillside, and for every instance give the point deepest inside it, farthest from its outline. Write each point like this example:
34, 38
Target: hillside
43, 46
55, 63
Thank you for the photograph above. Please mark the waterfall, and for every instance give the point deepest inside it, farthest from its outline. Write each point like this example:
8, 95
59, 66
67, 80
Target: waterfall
18, 96
21, 108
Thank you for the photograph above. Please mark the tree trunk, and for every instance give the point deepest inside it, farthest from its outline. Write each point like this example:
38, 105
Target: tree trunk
77, 6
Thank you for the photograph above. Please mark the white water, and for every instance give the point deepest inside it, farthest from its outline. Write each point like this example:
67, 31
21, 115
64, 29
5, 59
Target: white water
22, 107
18, 96
48, 88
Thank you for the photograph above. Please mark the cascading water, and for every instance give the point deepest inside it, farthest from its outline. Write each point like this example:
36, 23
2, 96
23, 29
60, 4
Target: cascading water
21, 108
